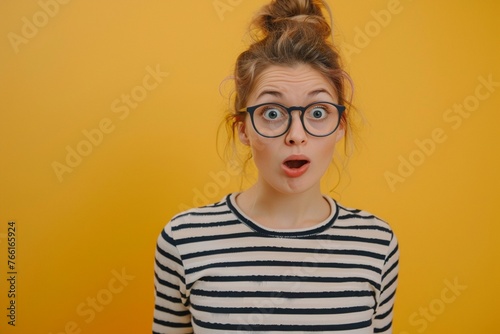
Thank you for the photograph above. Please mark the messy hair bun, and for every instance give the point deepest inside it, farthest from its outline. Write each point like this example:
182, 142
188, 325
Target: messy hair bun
287, 33
288, 16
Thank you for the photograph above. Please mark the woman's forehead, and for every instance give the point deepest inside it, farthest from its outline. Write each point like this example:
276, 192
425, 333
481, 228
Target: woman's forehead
295, 80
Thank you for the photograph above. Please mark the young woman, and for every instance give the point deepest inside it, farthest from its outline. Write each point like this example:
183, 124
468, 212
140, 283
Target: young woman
280, 256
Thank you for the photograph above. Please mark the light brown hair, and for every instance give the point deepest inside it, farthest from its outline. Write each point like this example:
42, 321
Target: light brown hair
288, 33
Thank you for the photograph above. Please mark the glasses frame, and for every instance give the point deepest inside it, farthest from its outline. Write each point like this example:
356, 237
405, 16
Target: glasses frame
302, 110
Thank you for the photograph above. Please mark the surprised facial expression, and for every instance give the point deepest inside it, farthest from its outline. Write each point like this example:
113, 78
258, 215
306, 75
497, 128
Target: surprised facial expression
295, 161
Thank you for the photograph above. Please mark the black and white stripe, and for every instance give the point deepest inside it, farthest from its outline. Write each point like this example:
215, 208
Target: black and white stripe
216, 271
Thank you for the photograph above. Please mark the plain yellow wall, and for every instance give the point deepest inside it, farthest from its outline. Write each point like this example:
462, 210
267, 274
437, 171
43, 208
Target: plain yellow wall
109, 113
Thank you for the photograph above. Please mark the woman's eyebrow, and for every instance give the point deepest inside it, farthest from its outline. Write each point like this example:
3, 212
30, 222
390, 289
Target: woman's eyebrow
276, 93
319, 91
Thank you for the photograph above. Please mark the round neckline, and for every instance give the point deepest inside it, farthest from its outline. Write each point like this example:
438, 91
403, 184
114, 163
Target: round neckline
284, 233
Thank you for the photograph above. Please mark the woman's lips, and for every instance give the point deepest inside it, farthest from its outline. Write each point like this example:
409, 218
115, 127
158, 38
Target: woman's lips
295, 166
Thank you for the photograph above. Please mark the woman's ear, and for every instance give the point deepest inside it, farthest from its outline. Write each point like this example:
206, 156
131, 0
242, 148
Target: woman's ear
339, 133
242, 133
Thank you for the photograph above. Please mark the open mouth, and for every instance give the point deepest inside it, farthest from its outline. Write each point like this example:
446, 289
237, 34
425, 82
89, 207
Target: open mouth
295, 163
295, 166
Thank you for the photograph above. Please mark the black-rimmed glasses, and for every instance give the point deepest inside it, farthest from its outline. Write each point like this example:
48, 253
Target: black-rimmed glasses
319, 119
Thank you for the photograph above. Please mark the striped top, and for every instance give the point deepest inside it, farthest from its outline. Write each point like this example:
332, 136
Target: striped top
217, 271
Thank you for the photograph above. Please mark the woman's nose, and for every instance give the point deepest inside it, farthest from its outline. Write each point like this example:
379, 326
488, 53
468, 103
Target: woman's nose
296, 134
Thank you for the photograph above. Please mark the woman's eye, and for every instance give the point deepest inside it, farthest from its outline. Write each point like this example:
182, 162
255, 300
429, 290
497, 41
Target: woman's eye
272, 114
318, 113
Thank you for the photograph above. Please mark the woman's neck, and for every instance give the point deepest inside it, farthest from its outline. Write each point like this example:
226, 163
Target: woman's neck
277, 210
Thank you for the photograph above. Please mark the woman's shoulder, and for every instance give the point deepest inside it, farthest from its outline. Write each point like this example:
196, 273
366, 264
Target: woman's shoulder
202, 214
354, 218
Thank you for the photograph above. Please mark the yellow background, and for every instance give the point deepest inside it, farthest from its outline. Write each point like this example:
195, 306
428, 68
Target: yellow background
103, 217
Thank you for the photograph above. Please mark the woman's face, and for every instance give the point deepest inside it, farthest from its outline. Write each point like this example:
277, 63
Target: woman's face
296, 161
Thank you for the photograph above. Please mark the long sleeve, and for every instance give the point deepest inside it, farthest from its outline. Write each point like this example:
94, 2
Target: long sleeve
385, 308
171, 314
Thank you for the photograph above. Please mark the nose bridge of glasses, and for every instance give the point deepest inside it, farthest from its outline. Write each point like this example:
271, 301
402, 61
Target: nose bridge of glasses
300, 113
300, 109
298, 119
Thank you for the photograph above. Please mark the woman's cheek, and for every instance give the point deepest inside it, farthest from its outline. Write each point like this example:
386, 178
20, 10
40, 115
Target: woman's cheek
261, 146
